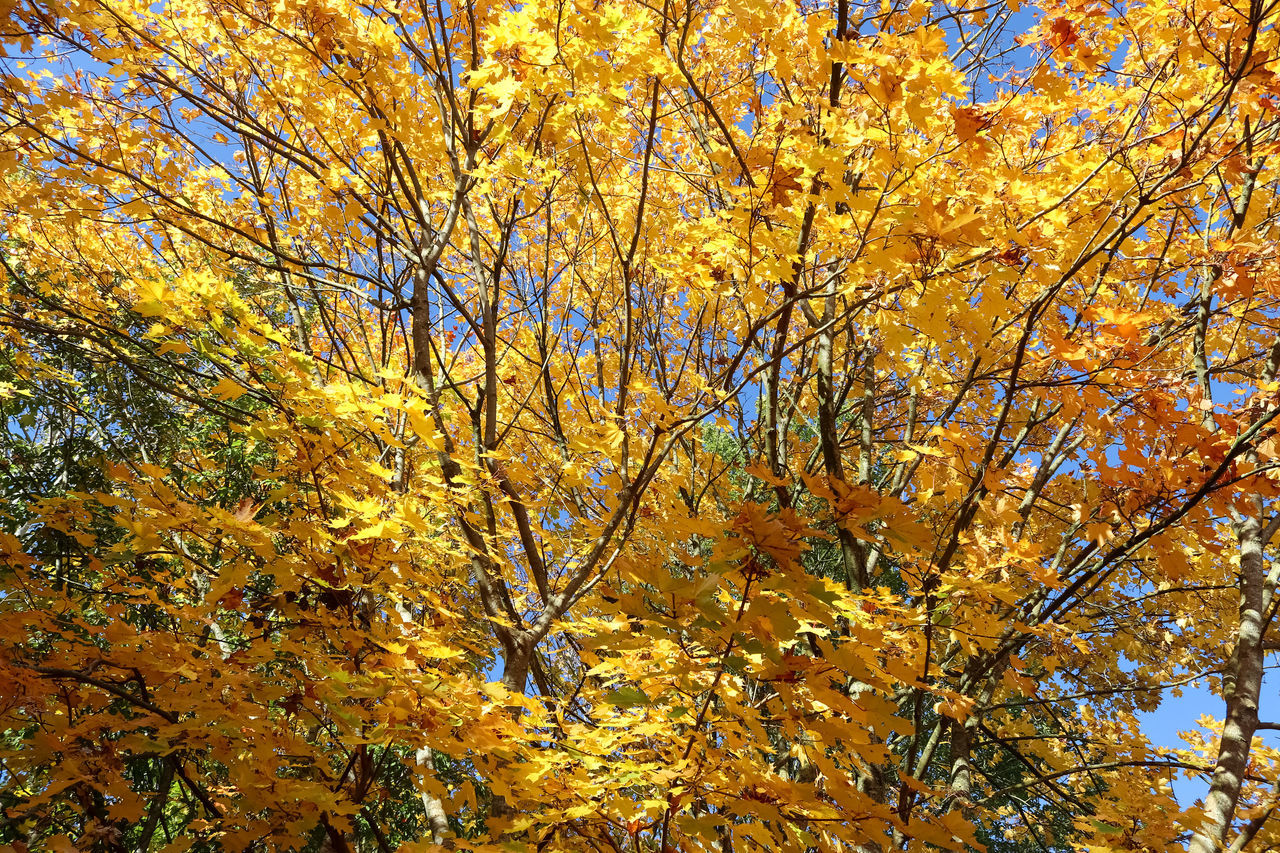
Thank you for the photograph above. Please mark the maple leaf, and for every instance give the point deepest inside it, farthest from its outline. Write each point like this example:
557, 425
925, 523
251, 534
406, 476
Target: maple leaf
246, 509
1062, 33
783, 184
969, 121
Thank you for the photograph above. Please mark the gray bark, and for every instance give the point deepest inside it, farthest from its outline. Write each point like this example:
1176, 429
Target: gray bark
431, 806
1242, 688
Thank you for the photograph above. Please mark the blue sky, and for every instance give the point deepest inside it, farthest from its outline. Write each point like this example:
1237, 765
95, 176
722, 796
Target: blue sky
1179, 714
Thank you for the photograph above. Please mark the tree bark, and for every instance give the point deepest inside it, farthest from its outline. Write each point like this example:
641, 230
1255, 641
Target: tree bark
1242, 688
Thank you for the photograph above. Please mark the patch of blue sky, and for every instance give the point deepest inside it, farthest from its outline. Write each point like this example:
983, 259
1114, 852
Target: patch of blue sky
1179, 714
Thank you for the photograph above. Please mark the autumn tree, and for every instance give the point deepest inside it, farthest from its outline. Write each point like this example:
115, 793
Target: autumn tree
637, 426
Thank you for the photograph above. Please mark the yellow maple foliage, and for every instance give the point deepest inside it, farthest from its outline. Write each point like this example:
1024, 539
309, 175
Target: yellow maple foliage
637, 426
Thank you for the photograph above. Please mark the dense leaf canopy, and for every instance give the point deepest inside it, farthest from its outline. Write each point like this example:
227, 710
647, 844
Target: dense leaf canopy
614, 425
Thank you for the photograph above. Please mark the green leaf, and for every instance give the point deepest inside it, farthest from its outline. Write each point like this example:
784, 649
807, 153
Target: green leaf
628, 697
1106, 828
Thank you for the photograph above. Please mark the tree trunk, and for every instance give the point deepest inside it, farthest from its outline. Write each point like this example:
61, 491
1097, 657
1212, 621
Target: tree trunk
1242, 687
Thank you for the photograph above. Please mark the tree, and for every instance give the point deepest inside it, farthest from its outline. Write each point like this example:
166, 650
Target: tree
614, 425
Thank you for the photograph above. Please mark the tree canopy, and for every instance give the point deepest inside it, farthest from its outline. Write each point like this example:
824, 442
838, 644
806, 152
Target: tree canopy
638, 425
